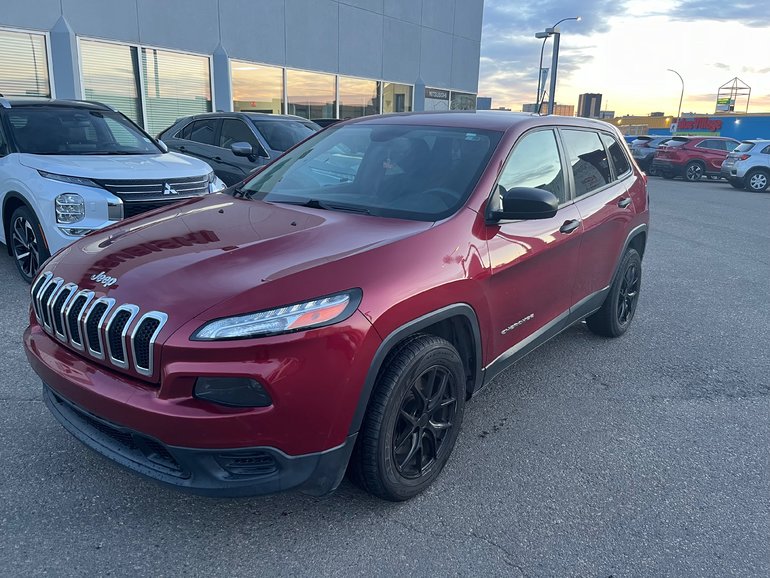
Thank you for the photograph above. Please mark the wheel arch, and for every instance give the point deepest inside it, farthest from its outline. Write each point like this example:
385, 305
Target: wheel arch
457, 323
637, 239
12, 201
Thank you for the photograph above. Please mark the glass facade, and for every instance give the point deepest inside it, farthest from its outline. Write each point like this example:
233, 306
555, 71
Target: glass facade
397, 97
310, 94
175, 85
256, 88
110, 76
23, 64
358, 97
462, 101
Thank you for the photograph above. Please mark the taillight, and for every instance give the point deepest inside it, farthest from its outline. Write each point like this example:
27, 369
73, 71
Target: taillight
744, 157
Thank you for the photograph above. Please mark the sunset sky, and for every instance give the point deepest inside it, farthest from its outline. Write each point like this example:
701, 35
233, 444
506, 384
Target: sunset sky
623, 48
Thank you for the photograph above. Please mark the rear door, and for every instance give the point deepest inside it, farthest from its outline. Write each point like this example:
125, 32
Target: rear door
601, 175
201, 140
714, 152
533, 262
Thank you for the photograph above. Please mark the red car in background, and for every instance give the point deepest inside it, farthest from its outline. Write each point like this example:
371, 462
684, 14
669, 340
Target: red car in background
341, 305
692, 157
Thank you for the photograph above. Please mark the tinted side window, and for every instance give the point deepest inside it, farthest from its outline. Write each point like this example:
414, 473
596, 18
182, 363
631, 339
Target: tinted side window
712, 144
588, 160
233, 131
535, 162
619, 160
203, 131
766, 150
3, 141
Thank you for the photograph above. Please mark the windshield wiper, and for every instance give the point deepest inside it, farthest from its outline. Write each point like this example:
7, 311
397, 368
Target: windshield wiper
325, 205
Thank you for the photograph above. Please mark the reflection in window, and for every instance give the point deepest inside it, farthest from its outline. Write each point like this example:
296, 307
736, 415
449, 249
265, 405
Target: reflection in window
588, 159
257, 88
396, 97
110, 75
23, 64
535, 163
463, 101
358, 97
619, 159
175, 85
310, 94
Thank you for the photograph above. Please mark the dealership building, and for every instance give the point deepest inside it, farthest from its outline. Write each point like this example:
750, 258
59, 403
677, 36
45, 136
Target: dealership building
158, 60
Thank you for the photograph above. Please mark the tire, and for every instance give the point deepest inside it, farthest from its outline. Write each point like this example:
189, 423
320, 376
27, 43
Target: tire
617, 311
667, 176
757, 180
400, 428
736, 183
27, 242
694, 171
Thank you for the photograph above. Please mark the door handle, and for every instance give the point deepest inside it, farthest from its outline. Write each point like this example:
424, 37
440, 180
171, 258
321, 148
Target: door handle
569, 226
218, 159
182, 148
624, 202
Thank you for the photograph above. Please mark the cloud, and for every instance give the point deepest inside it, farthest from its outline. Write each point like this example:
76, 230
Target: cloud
750, 13
510, 53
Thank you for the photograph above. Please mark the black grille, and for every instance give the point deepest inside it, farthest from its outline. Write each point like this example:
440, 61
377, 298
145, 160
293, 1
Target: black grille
144, 190
117, 325
142, 342
74, 316
159, 454
44, 302
131, 209
123, 438
248, 464
92, 326
57, 307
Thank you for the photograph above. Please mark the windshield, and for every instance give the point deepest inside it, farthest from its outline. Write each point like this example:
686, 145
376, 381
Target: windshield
56, 130
281, 135
412, 172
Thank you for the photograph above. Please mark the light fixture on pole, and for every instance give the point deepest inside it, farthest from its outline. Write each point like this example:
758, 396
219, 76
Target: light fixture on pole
681, 96
548, 32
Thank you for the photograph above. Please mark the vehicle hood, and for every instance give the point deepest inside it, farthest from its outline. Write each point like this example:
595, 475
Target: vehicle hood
186, 259
155, 166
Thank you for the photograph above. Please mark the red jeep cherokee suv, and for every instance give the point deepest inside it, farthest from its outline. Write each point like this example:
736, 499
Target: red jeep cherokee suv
336, 310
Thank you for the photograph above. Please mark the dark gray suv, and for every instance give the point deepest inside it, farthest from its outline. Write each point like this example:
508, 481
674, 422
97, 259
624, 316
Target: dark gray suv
236, 143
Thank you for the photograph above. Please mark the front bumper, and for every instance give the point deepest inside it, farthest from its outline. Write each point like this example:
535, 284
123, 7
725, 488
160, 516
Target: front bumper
211, 472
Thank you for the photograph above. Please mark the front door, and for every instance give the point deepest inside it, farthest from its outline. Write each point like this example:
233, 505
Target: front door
533, 262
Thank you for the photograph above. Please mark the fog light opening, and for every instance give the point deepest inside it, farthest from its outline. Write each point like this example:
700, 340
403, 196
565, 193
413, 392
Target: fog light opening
232, 391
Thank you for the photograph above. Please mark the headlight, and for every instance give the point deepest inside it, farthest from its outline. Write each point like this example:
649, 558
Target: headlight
70, 208
298, 317
68, 179
215, 184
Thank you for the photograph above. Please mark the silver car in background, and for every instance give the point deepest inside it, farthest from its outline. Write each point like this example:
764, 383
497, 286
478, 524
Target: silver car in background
748, 166
643, 150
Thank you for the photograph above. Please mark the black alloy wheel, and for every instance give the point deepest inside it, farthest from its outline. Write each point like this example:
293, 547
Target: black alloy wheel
27, 243
616, 313
628, 294
694, 171
412, 420
426, 415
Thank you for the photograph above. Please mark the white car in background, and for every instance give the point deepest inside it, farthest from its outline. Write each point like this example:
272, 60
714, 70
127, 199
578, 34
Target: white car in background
70, 167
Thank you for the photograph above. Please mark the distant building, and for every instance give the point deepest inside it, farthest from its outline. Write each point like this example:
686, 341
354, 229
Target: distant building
503, 108
484, 103
606, 114
589, 105
657, 114
558, 109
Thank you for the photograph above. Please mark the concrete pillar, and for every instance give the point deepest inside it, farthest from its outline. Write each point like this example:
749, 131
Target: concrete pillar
64, 61
223, 91
419, 95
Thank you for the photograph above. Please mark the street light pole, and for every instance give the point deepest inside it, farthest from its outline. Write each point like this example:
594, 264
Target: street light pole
681, 96
552, 31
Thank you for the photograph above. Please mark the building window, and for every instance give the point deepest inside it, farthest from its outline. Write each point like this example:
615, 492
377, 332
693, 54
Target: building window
175, 85
396, 97
358, 97
310, 94
462, 101
111, 75
436, 99
256, 88
23, 65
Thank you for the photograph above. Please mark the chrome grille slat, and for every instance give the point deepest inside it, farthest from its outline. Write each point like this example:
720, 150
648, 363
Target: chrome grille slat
97, 327
116, 354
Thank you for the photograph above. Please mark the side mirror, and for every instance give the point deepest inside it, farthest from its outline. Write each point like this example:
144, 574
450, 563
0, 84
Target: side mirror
523, 203
242, 149
163, 146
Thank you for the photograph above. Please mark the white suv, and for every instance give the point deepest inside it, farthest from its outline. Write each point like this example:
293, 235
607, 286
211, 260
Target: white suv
69, 167
748, 166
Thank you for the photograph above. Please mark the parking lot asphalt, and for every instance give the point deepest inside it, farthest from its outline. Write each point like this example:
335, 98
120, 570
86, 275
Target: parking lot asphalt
647, 455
